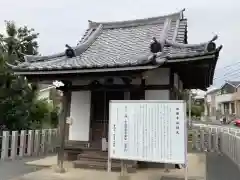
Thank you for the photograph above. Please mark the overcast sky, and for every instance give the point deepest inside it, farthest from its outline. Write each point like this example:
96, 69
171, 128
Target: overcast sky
64, 21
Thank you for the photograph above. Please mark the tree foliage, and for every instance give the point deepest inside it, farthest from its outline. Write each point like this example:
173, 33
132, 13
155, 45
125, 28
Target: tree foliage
19, 106
19, 41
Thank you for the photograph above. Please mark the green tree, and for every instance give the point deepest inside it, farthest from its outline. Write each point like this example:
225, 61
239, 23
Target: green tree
19, 107
19, 41
16, 98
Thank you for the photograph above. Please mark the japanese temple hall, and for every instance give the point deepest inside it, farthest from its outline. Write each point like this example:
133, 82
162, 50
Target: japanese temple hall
142, 59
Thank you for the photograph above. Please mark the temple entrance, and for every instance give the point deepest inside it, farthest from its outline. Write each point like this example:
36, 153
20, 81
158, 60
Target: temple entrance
100, 114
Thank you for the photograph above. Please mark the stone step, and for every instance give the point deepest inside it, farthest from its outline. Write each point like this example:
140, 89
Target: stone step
93, 156
85, 164
103, 160
98, 156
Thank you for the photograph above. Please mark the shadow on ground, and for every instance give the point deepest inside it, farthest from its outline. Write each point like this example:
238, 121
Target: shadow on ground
221, 168
10, 169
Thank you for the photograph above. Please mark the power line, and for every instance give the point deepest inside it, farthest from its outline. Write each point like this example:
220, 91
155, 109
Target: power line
228, 66
230, 74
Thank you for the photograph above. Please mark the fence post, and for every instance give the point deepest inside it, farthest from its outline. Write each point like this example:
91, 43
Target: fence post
195, 144
30, 142
217, 148
22, 143
5, 145
43, 141
202, 140
238, 151
210, 131
55, 140
37, 142
14, 144
49, 141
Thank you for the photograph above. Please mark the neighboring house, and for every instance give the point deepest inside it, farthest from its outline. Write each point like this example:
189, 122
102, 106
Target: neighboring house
210, 105
228, 98
45, 91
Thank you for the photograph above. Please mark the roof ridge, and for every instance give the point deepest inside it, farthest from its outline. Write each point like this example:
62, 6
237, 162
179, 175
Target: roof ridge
87, 40
232, 81
137, 22
175, 44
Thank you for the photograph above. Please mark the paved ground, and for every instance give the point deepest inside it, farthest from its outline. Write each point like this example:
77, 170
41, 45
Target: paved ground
221, 168
11, 169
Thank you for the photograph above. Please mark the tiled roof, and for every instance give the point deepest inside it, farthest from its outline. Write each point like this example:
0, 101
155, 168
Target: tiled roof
121, 44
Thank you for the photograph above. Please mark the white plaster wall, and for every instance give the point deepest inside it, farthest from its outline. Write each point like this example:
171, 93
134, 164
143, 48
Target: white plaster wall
158, 76
80, 116
157, 95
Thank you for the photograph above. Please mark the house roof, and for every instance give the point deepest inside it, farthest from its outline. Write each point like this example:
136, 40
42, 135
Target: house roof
124, 44
212, 91
233, 83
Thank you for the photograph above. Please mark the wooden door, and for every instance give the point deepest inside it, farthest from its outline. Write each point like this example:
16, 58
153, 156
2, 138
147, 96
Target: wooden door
100, 114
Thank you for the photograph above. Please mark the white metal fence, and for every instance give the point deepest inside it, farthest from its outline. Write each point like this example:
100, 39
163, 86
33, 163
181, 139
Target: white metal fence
18, 144
223, 140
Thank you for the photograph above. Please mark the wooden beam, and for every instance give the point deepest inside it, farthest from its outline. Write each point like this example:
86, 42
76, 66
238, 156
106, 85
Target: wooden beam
119, 87
71, 77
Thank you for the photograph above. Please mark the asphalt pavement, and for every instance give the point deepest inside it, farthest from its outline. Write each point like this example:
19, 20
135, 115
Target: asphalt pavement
12, 169
221, 168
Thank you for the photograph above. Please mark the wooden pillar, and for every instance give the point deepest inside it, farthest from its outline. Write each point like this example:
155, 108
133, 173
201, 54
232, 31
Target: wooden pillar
171, 82
69, 96
62, 125
143, 82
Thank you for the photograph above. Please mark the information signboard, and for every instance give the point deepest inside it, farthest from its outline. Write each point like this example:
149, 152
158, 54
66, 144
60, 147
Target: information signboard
146, 130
